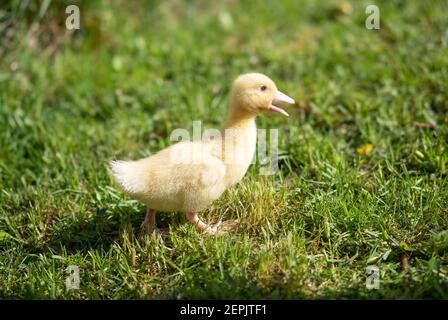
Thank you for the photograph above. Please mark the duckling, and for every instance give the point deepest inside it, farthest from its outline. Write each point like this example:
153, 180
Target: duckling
188, 176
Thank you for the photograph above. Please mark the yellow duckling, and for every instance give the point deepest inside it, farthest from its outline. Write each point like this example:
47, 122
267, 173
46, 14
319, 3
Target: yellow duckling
188, 176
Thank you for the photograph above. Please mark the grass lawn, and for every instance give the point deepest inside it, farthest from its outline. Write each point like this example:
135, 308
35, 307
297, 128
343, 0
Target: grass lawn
363, 161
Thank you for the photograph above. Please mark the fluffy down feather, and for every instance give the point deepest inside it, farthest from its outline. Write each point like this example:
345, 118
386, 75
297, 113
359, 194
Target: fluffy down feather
185, 177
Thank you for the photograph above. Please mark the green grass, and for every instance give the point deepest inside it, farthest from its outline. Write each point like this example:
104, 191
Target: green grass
70, 102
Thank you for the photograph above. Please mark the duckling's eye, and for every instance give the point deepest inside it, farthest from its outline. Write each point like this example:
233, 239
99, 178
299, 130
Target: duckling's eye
263, 88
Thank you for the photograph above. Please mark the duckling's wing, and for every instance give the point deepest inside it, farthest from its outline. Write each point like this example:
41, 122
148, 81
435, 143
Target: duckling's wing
193, 164
198, 185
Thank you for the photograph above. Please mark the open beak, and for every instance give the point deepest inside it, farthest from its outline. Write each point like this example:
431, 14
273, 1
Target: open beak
280, 97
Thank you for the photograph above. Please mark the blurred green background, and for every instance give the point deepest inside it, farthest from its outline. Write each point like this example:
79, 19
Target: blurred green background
363, 162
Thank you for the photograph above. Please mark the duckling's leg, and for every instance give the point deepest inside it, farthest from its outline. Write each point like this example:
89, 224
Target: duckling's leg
149, 224
202, 226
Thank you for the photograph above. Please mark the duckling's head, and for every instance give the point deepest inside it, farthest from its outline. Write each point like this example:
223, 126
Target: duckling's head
253, 93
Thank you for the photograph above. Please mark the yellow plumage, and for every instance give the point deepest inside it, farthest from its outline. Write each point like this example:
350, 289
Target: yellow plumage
189, 176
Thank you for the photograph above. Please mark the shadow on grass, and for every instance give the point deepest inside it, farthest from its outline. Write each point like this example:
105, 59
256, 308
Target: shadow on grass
242, 288
101, 230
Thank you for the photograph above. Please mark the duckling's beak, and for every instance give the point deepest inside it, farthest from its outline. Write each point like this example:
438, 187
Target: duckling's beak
281, 97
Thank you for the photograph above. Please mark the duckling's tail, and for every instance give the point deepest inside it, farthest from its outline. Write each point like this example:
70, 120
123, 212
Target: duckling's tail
128, 174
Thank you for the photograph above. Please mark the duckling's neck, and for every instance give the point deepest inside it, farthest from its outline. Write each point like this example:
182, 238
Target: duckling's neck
239, 144
239, 118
